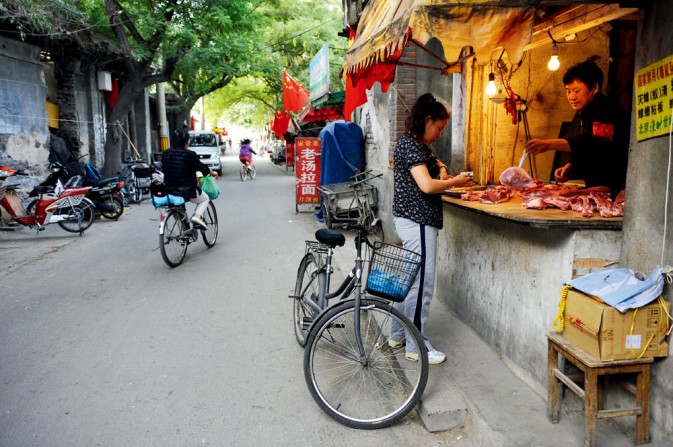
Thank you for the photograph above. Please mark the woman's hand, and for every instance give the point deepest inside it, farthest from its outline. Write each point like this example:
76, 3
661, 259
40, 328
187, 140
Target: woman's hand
214, 174
444, 172
462, 180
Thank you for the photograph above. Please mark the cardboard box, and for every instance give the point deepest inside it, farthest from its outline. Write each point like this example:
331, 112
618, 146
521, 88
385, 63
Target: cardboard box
606, 334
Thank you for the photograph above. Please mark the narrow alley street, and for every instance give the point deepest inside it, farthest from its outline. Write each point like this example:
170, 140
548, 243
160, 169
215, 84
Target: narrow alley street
104, 344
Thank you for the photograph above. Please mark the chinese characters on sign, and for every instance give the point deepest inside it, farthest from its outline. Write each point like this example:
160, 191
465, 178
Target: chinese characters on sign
307, 170
654, 99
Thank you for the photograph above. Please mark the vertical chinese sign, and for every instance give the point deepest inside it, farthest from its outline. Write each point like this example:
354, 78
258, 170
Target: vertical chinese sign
654, 99
307, 170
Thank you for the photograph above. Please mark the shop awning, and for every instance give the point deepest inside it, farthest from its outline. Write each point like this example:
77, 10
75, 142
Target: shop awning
386, 26
327, 108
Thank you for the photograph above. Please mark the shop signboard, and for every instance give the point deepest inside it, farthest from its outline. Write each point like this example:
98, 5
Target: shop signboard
307, 170
319, 74
654, 99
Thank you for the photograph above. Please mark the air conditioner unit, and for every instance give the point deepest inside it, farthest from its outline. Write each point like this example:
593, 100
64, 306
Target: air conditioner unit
105, 81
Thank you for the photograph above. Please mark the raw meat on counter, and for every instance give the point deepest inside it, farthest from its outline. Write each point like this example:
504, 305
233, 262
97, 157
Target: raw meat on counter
495, 195
516, 177
585, 201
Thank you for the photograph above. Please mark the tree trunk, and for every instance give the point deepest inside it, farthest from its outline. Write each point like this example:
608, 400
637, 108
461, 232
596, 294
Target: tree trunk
64, 71
115, 135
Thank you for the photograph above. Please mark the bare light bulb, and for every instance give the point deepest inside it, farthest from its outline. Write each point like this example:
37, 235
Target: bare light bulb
554, 63
491, 88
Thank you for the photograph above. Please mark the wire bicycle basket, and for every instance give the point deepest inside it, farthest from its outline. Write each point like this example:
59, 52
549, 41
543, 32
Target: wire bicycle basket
392, 271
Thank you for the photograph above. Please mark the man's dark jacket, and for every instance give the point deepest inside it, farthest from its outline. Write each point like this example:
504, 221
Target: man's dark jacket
180, 167
599, 141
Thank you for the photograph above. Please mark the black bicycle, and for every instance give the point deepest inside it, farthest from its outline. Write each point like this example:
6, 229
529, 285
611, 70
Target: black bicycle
355, 372
176, 230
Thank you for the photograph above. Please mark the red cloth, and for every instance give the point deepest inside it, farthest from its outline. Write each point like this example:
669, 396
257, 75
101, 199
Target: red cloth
113, 95
280, 123
383, 72
363, 79
295, 95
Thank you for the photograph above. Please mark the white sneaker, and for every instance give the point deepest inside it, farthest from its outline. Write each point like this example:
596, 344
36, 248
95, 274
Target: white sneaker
198, 221
434, 357
396, 343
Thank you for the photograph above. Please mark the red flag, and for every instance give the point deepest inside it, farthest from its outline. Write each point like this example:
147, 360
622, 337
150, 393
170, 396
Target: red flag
280, 123
295, 95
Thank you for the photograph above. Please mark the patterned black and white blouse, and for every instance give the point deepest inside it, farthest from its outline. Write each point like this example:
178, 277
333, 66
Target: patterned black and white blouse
408, 199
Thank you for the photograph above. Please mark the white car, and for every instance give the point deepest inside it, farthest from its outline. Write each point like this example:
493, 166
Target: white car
205, 144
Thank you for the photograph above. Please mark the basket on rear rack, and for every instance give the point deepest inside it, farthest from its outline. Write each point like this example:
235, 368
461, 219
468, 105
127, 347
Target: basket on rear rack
392, 271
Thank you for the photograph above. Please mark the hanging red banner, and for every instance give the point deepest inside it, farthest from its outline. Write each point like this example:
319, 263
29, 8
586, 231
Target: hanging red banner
307, 170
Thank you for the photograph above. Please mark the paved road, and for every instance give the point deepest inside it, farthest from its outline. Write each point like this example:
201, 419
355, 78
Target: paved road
103, 344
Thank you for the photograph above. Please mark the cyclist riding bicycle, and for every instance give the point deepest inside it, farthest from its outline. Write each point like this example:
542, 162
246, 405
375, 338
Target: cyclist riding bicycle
245, 154
180, 167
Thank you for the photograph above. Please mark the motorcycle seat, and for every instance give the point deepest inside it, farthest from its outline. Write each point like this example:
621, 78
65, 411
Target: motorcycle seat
100, 181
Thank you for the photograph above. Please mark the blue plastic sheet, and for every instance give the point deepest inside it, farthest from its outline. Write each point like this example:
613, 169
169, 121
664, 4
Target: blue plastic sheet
621, 288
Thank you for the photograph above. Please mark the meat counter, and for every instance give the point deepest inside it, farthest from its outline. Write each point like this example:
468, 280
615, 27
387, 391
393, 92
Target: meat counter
500, 268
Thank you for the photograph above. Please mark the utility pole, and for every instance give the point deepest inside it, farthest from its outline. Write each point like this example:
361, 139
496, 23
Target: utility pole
161, 113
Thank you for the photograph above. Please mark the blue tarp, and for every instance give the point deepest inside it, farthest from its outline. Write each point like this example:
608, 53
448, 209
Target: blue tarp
342, 152
622, 288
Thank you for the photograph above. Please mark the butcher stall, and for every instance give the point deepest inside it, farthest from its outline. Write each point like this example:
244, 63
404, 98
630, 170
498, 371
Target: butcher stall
508, 264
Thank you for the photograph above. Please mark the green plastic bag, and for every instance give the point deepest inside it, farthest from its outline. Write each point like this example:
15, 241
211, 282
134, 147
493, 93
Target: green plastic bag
209, 186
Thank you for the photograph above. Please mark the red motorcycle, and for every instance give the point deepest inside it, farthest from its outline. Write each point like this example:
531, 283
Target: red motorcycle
67, 207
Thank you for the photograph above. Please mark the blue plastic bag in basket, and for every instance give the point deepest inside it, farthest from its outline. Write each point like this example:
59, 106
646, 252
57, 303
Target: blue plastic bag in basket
386, 283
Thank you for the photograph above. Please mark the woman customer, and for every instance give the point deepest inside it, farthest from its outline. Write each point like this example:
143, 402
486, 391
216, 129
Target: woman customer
419, 179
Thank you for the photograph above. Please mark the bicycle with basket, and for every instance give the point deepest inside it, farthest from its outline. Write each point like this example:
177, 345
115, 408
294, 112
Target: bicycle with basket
353, 371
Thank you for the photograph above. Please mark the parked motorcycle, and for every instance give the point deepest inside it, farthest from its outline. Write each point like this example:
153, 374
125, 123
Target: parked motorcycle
106, 193
69, 208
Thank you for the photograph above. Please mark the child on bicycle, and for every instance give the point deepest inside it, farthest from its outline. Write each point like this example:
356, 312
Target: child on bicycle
246, 152
180, 166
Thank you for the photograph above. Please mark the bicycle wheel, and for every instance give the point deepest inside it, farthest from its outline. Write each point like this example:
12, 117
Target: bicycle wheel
376, 391
252, 173
210, 218
306, 288
78, 217
173, 246
133, 190
244, 173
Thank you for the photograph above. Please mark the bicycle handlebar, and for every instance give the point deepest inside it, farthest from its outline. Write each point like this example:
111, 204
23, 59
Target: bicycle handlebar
364, 180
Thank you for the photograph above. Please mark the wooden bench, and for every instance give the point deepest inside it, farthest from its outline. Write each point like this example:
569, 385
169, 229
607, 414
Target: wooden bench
592, 392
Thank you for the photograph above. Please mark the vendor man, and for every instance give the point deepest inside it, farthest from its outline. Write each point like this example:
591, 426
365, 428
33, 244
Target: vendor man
598, 137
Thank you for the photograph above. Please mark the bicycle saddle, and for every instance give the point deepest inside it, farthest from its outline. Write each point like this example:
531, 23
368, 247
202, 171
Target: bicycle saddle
330, 238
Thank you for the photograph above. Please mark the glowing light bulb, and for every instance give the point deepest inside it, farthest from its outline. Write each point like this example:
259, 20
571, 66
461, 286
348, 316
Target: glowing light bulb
554, 63
491, 88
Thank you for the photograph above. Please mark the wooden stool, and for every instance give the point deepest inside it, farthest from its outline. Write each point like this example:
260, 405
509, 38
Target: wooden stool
592, 393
